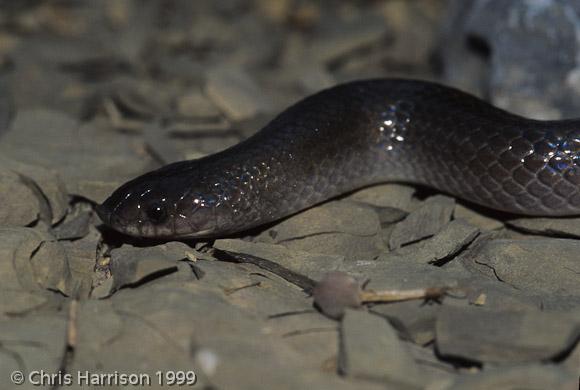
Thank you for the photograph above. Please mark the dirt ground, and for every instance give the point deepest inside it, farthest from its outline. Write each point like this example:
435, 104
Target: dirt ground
95, 93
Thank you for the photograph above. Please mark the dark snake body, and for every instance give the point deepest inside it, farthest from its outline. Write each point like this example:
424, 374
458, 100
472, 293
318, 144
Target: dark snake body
355, 135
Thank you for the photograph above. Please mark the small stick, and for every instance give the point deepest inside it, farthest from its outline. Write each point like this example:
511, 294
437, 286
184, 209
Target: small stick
338, 291
71, 330
402, 295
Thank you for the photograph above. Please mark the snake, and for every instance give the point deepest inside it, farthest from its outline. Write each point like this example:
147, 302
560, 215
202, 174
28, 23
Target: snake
355, 135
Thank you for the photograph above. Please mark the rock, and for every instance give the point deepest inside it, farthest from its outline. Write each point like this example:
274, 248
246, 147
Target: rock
19, 302
438, 374
371, 350
572, 362
532, 377
475, 218
79, 153
47, 185
131, 266
496, 295
104, 333
414, 319
399, 16
194, 103
441, 247
395, 196
22, 206
313, 78
36, 342
256, 291
33, 261
334, 228
342, 38
423, 222
180, 319
565, 227
388, 275
311, 265
76, 227
539, 265
235, 93
99, 190
504, 337
144, 99
82, 254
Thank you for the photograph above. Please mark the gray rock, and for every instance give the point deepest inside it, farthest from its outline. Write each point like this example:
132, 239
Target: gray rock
182, 320
82, 257
31, 260
35, 342
371, 350
130, 265
387, 275
159, 145
47, 185
496, 295
97, 190
313, 78
539, 265
22, 207
81, 154
219, 128
20, 302
438, 374
504, 337
336, 228
74, 228
287, 312
142, 99
565, 227
412, 46
193, 103
415, 319
331, 217
475, 218
309, 264
108, 328
424, 222
342, 38
442, 246
395, 196
572, 361
235, 93
532, 377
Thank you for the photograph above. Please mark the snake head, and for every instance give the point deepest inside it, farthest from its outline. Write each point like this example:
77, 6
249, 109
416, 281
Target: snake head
164, 204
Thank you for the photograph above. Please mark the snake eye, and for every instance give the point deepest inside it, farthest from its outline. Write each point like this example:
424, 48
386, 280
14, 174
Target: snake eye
156, 213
